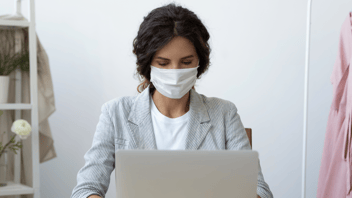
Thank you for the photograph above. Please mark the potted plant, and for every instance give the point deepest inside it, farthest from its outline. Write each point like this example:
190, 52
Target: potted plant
9, 63
19, 127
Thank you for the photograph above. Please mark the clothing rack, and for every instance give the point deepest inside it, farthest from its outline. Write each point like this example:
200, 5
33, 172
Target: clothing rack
305, 125
305, 119
15, 187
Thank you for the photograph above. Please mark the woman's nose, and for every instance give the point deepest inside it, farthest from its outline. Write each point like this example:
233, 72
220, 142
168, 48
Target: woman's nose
176, 66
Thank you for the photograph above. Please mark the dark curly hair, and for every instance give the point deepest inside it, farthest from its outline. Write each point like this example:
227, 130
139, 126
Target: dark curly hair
159, 27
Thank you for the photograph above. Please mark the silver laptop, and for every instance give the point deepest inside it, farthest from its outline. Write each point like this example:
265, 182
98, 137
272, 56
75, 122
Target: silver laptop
186, 173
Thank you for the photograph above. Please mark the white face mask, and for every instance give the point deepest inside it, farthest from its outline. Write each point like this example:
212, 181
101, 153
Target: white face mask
173, 83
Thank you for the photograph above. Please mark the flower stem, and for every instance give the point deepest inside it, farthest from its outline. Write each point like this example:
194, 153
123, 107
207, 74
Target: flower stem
7, 145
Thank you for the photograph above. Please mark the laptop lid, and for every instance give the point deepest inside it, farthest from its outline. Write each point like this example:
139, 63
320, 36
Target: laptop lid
186, 173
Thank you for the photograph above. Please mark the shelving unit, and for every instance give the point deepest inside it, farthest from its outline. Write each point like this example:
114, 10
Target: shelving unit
15, 187
14, 23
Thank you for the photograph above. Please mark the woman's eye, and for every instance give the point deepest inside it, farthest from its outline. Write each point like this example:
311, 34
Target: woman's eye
187, 63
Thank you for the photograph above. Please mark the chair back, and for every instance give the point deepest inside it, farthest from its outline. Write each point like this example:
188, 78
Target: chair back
249, 134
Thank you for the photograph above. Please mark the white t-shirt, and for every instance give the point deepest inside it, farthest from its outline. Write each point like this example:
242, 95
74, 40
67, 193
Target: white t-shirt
170, 133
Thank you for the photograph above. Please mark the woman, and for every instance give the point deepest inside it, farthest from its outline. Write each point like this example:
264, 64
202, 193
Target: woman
172, 52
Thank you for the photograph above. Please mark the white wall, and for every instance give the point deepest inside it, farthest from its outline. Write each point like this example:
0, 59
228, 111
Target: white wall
258, 53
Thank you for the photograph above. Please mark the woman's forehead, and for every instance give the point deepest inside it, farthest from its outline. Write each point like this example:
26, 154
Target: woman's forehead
177, 48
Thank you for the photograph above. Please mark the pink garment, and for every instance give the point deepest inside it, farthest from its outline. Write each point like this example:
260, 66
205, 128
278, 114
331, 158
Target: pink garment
335, 171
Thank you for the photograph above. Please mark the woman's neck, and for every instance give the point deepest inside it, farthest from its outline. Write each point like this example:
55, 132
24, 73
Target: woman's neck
170, 107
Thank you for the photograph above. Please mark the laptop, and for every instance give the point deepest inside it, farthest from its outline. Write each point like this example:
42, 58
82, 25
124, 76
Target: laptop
186, 173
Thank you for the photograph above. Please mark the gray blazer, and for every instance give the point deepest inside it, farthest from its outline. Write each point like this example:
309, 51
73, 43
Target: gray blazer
125, 123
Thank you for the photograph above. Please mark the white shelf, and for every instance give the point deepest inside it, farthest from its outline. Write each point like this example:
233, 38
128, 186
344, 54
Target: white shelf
14, 23
15, 189
13, 106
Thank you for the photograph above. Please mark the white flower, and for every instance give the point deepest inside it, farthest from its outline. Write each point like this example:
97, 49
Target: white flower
22, 128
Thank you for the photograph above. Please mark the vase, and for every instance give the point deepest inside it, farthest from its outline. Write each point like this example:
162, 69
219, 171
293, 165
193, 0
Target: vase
4, 88
3, 168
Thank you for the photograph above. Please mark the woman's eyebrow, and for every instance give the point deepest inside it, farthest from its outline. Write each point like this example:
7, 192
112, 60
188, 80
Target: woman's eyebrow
181, 58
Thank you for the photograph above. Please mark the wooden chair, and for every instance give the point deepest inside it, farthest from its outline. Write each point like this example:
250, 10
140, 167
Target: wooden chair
249, 134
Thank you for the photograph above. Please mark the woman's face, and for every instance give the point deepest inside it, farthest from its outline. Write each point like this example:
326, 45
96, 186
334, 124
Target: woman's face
179, 53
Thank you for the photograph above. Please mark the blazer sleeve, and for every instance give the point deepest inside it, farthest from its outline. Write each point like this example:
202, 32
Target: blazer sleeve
94, 176
237, 139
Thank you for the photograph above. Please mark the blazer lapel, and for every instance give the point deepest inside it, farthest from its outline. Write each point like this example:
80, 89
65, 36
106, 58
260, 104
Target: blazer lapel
141, 125
140, 122
198, 125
